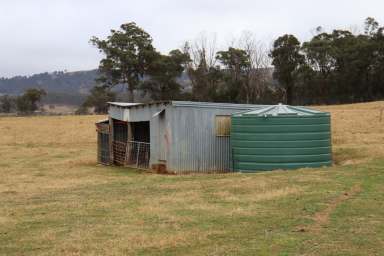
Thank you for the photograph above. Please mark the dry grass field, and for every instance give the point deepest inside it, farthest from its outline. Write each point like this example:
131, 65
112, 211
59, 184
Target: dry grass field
358, 132
55, 199
59, 109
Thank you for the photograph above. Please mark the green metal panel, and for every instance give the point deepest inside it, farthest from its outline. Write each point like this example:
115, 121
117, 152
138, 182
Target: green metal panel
281, 151
260, 128
303, 136
281, 144
256, 167
249, 120
280, 137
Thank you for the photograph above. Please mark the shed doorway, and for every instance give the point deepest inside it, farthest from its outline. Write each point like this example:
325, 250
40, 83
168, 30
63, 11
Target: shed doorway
140, 131
138, 147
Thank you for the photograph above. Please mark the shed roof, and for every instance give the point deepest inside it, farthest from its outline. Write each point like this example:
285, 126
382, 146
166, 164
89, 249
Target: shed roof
284, 110
215, 105
102, 121
194, 104
124, 104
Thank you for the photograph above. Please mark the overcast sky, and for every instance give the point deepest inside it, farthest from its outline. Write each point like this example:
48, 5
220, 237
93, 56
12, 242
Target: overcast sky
47, 35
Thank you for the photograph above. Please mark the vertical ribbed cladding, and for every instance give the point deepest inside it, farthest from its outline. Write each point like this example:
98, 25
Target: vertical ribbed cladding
263, 141
195, 148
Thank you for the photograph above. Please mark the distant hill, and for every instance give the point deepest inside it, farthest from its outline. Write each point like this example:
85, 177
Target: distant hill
71, 88
68, 88
62, 87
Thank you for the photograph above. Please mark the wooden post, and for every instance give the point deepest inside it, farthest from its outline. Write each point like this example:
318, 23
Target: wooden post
111, 161
129, 144
137, 155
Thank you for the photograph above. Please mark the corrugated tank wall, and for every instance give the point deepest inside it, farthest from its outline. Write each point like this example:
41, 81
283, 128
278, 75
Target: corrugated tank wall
280, 142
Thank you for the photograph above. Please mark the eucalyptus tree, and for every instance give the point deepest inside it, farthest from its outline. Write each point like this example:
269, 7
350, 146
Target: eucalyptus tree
202, 69
257, 73
6, 104
163, 74
98, 98
29, 101
236, 63
286, 58
128, 53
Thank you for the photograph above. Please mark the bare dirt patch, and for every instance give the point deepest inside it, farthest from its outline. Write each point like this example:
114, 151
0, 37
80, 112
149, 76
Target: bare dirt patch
321, 219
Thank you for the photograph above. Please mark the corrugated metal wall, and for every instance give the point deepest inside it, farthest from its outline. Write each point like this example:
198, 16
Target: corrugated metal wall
117, 113
195, 146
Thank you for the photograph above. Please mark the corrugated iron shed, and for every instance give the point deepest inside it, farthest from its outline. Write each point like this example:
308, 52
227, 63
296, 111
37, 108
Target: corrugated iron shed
183, 133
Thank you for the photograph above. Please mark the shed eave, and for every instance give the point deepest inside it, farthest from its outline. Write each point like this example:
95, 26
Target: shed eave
215, 105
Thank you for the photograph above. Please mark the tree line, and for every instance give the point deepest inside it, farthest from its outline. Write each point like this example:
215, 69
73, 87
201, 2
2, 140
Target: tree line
197, 71
27, 103
332, 67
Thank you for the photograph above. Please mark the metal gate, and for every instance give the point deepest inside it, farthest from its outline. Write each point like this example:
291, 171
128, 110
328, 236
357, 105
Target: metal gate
137, 154
102, 129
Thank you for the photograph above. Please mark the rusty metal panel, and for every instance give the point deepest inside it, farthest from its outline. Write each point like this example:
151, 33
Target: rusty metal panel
119, 152
102, 128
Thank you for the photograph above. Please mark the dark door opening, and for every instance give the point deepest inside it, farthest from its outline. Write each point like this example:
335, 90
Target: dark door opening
140, 131
120, 131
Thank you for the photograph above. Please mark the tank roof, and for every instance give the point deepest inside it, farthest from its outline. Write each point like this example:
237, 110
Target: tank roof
283, 110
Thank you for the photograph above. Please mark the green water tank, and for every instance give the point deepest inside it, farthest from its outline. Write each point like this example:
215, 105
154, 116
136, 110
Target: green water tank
280, 137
